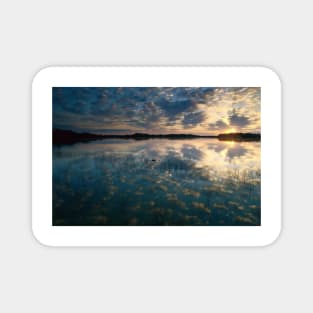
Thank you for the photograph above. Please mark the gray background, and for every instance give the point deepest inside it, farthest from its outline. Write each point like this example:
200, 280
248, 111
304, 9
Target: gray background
35, 34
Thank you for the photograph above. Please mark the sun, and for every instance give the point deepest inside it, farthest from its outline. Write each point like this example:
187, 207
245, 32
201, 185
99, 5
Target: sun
230, 130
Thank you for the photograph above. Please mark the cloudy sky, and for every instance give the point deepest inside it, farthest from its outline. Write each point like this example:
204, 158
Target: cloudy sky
126, 110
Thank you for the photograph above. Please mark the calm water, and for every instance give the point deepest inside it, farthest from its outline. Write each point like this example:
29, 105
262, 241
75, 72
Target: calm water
157, 182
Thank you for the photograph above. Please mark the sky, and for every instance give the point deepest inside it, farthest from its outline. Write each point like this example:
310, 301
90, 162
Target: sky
154, 110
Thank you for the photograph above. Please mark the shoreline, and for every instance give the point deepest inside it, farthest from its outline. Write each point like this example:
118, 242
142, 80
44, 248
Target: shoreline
70, 137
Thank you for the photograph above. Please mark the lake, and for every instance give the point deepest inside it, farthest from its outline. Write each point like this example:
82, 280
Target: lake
194, 182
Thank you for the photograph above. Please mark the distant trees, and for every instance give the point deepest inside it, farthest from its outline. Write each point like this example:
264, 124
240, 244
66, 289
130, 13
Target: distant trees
240, 137
68, 137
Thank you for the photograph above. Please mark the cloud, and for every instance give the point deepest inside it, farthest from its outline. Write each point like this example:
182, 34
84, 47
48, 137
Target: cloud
167, 109
218, 125
238, 120
191, 119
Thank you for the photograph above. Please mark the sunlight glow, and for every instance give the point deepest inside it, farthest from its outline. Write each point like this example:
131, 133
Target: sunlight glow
231, 130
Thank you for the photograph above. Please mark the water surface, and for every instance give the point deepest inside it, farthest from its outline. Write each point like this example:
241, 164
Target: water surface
157, 182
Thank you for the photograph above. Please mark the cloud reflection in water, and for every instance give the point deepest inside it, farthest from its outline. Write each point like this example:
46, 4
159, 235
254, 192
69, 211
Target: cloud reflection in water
157, 182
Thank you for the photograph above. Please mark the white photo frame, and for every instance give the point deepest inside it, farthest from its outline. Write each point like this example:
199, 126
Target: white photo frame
50, 235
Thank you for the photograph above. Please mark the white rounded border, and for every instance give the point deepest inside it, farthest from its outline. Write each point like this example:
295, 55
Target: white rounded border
262, 77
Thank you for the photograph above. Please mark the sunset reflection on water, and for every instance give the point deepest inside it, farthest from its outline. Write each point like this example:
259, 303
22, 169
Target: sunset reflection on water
157, 182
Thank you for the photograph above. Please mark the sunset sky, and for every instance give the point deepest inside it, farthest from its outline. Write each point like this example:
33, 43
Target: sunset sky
126, 110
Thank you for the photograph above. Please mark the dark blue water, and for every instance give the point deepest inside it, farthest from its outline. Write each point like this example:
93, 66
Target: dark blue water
157, 182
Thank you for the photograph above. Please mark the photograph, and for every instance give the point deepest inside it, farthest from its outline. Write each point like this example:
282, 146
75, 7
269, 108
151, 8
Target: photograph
156, 156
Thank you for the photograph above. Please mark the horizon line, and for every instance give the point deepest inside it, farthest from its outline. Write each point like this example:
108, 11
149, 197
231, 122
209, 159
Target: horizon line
158, 134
